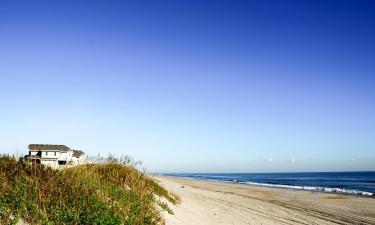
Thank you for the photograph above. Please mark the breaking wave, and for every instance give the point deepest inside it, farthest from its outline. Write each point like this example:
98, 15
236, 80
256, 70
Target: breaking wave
353, 183
308, 188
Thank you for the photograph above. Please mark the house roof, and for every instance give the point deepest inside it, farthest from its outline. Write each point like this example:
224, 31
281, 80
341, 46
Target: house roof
48, 147
77, 153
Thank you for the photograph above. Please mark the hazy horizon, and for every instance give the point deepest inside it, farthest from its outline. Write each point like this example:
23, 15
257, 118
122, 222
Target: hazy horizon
193, 86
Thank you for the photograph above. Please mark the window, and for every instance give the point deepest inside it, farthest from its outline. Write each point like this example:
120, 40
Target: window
46, 153
55, 153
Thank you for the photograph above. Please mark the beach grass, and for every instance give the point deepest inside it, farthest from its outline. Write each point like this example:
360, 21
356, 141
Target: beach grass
87, 194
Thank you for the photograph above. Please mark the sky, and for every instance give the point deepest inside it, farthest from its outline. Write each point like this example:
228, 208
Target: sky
193, 86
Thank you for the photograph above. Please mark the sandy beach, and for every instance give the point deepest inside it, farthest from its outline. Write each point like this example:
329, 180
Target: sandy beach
207, 203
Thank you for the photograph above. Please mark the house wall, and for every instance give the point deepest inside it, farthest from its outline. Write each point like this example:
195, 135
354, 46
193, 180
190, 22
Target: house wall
67, 156
51, 154
80, 160
51, 163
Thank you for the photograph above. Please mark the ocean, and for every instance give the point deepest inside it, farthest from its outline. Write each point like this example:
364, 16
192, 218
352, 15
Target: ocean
355, 183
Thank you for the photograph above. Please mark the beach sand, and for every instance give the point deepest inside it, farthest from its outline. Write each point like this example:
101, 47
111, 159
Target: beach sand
205, 203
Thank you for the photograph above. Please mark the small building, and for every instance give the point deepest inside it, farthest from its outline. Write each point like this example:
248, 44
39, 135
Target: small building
78, 157
55, 155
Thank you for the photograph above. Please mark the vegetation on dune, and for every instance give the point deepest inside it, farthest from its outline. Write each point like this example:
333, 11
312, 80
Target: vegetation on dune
87, 194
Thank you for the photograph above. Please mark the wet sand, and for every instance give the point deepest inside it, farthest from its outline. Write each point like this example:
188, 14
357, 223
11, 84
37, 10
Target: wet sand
206, 203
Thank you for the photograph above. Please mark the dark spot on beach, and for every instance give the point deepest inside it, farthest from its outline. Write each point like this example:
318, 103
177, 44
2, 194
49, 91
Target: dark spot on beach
336, 197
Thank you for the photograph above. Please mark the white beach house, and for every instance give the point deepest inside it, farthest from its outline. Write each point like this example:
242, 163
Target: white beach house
55, 155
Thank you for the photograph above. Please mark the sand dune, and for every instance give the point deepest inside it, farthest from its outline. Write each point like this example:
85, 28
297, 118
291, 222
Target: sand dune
209, 203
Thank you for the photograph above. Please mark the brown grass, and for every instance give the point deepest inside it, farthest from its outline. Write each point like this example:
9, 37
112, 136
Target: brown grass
88, 194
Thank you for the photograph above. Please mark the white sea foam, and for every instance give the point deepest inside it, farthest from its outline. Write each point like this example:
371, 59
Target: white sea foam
295, 187
309, 188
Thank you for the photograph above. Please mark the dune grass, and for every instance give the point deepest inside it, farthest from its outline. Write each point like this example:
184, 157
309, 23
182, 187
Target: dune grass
86, 194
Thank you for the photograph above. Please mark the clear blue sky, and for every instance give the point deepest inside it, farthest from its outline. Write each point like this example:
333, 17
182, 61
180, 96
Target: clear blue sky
193, 86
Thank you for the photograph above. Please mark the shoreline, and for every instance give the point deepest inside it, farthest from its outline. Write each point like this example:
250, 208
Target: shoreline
315, 189
210, 202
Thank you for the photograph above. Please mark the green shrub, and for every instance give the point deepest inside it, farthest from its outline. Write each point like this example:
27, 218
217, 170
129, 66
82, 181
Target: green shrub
87, 194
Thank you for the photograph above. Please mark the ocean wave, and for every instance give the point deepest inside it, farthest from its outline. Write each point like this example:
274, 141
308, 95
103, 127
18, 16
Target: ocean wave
274, 182
309, 188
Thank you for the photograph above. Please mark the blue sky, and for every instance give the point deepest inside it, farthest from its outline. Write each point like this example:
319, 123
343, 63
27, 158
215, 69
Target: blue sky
193, 86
